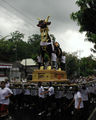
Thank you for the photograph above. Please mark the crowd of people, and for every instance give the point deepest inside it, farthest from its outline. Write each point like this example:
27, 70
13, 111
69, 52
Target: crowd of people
50, 102
83, 79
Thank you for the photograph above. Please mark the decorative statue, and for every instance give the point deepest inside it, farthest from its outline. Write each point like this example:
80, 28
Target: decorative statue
43, 24
47, 45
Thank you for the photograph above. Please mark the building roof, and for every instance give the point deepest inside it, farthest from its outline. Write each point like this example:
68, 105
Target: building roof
28, 62
5, 65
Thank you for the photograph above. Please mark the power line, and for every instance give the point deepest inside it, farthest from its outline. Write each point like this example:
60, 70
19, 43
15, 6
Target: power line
4, 11
18, 11
11, 16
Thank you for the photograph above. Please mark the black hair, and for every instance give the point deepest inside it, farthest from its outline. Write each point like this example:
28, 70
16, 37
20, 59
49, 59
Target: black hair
50, 83
84, 87
2, 82
39, 84
76, 89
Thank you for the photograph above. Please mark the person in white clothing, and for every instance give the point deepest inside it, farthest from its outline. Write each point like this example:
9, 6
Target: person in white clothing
78, 100
63, 61
51, 96
5, 93
78, 104
39, 61
51, 89
53, 60
40, 90
85, 98
85, 93
7, 84
41, 96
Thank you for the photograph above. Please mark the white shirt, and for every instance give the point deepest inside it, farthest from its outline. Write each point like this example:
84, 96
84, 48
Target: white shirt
40, 91
63, 59
3, 93
7, 85
39, 59
51, 91
53, 57
44, 43
84, 94
77, 96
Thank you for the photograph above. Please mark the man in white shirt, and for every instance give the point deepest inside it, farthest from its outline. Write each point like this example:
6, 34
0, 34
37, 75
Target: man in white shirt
27, 95
78, 104
7, 83
63, 61
54, 59
85, 93
41, 96
51, 89
78, 100
51, 96
40, 90
5, 93
39, 60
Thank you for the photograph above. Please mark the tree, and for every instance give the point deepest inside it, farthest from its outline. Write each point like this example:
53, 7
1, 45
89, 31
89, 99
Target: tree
72, 65
16, 36
5, 49
86, 19
14, 48
20, 46
87, 66
34, 45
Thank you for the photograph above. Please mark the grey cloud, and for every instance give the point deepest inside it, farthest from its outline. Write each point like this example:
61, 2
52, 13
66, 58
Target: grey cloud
22, 15
60, 10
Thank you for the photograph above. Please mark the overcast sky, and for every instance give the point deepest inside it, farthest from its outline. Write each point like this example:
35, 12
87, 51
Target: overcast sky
22, 15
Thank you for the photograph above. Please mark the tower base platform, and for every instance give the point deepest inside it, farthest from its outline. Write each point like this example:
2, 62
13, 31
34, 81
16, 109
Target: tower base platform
49, 76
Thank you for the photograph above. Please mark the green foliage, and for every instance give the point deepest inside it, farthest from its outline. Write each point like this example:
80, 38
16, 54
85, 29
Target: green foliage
13, 48
16, 36
71, 65
20, 46
80, 67
87, 66
34, 45
86, 19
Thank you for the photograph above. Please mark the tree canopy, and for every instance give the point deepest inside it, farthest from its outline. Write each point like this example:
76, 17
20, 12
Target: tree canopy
14, 48
86, 19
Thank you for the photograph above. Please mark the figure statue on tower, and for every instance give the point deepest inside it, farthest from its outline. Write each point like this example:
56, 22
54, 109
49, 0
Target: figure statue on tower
48, 46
